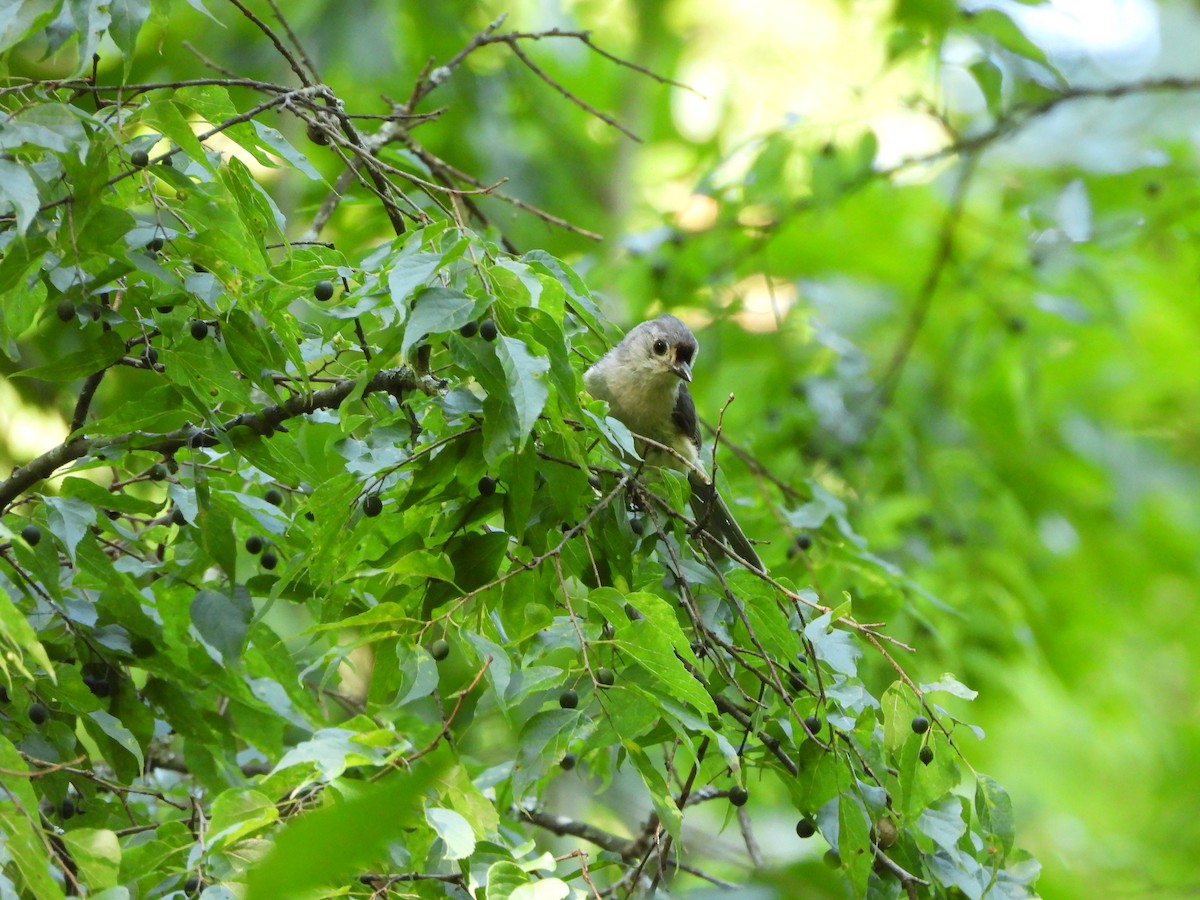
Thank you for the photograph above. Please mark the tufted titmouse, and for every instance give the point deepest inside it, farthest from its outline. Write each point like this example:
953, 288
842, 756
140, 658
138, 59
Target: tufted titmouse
644, 379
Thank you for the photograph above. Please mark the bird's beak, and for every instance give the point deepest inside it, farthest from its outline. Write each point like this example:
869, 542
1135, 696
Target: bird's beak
683, 370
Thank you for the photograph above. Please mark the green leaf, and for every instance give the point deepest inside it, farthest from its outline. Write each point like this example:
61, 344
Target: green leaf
16, 633
238, 813
900, 704
23, 19
18, 194
330, 845
853, 842
120, 735
525, 374
833, 646
24, 843
1000, 27
545, 737
165, 116
90, 21
102, 351
435, 311
950, 685
423, 564
216, 536
991, 82
542, 889
69, 519
503, 878
653, 642
932, 15
993, 808
128, 17
944, 822
97, 853
454, 830
410, 271
222, 620
277, 142
660, 793
330, 751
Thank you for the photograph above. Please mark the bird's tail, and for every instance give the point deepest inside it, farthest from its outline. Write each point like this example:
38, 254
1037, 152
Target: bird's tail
714, 519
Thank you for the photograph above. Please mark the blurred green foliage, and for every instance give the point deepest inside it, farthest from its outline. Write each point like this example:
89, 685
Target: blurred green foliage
965, 401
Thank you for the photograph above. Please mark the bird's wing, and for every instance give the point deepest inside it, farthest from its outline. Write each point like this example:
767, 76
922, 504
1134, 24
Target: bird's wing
684, 417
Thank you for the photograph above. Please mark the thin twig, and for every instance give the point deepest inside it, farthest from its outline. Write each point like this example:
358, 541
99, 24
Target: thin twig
274, 39
578, 101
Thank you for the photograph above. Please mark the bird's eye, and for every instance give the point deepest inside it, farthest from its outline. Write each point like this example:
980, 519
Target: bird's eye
660, 347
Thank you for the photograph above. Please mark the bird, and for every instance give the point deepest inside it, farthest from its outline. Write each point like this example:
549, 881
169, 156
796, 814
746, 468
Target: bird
645, 381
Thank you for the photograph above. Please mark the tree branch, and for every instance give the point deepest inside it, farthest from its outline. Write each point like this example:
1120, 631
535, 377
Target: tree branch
264, 422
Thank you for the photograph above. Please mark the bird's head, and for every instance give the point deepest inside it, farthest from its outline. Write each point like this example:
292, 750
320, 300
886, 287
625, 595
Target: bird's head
662, 348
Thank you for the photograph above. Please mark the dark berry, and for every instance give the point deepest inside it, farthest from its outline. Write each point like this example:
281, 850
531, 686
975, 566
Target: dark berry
920, 724
487, 486
469, 330
439, 649
487, 330
38, 714
372, 505
192, 885
66, 310
254, 544
154, 244
568, 699
157, 472
177, 517
199, 330
150, 355
323, 290
594, 481
66, 809
273, 497
568, 761
98, 685
637, 526
140, 158
812, 725
164, 309
738, 795
926, 755
269, 560
605, 677
31, 534
797, 681
806, 828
